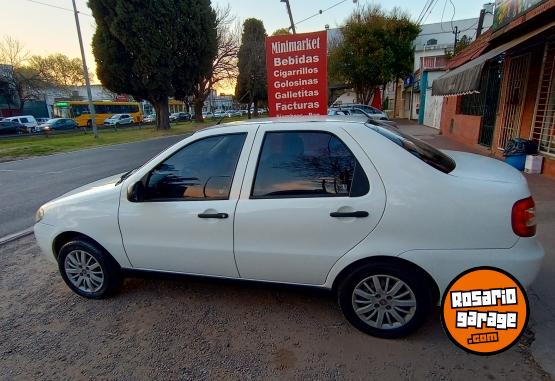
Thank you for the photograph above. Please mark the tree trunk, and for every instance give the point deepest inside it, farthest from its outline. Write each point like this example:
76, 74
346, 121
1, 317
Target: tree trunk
249, 106
255, 109
395, 98
198, 103
162, 114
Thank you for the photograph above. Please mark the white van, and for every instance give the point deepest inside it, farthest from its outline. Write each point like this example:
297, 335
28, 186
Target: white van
28, 121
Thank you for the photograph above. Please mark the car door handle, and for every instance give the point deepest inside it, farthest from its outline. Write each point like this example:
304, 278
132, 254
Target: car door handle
357, 214
213, 215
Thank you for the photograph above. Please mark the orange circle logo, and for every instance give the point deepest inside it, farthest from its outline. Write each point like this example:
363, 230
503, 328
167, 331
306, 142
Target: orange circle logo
484, 310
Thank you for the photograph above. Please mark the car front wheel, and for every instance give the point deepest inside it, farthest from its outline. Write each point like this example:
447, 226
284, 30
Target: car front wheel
88, 270
385, 300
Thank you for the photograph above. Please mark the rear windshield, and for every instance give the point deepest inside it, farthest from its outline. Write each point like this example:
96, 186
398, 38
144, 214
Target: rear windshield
418, 148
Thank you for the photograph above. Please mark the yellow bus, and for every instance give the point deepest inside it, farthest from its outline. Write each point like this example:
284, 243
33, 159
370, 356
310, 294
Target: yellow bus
79, 111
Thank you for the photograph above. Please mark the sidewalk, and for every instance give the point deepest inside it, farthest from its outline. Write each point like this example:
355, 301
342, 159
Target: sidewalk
541, 294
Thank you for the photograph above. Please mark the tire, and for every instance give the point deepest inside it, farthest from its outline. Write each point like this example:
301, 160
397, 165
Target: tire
399, 317
89, 123
73, 254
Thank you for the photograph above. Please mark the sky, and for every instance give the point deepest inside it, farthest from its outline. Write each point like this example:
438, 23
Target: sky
51, 29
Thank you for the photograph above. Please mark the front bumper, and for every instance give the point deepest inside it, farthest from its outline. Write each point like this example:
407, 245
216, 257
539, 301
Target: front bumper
523, 261
45, 234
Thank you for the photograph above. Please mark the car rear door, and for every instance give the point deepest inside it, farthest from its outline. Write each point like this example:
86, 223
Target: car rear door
309, 196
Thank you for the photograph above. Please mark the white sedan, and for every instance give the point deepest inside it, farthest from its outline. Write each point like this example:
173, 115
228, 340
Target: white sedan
382, 219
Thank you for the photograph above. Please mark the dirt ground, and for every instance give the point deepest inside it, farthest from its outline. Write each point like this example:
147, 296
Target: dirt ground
190, 328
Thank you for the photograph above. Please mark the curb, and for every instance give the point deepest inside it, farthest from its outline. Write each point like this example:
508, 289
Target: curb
16, 236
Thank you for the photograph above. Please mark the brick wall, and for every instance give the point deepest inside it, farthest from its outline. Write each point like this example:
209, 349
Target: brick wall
462, 128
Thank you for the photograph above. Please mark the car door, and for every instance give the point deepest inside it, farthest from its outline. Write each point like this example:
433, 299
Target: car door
309, 196
185, 221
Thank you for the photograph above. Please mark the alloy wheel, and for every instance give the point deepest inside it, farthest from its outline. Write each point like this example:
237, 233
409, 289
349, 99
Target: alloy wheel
384, 302
84, 271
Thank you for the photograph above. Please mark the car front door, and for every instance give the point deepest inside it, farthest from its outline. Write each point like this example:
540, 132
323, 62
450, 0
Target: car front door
184, 220
309, 196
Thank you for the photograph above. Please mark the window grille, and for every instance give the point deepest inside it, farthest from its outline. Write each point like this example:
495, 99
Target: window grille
512, 98
543, 129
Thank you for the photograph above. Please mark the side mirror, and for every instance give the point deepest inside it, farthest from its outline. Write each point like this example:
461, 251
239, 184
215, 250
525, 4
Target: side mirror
136, 192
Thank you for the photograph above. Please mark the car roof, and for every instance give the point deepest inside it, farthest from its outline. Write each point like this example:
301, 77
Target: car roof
291, 119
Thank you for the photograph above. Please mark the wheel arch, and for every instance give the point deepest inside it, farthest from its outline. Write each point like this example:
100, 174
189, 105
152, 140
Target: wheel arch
411, 266
68, 236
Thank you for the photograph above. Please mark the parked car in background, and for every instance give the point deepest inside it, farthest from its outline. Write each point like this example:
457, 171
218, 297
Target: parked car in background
233, 113
8, 127
119, 120
336, 111
207, 115
150, 118
28, 121
387, 220
369, 111
58, 124
180, 117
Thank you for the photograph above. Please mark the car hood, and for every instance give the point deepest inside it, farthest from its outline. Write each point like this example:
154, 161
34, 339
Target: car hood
91, 190
478, 167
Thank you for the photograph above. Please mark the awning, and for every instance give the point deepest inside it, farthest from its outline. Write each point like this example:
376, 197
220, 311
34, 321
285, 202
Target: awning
466, 78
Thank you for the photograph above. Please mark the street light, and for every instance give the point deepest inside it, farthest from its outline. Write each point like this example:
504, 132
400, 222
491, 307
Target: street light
85, 72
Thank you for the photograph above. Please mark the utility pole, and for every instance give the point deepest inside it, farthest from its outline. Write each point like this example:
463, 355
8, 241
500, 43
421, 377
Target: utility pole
456, 32
480, 23
85, 72
292, 27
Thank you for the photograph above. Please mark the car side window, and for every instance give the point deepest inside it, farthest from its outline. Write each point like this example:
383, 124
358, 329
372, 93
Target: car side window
307, 164
202, 170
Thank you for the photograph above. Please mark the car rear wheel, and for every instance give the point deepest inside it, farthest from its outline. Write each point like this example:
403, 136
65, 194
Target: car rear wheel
385, 300
88, 270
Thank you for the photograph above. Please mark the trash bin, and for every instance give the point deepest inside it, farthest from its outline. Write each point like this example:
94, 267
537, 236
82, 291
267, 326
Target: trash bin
516, 150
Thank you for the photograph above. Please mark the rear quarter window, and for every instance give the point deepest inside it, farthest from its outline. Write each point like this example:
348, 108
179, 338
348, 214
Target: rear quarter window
423, 151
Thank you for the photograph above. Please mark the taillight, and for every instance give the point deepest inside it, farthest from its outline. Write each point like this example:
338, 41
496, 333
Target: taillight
523, 217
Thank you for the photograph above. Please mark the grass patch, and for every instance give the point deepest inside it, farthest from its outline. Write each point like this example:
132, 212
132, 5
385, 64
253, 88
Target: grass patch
39, 145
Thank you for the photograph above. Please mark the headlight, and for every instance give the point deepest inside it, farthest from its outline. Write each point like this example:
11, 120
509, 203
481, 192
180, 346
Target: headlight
39, 215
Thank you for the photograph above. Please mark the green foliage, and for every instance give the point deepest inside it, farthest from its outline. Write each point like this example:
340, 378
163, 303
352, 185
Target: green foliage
153, 49
462, 44
58, 69
251, 82
375, 48
281, 31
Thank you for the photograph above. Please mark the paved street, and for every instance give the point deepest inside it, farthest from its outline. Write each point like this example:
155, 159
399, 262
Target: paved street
27, 184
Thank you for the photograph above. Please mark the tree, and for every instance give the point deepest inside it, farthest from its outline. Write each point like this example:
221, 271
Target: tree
281, 32
58, 69
251, 82
22, 83
224, 67
462, 44
154, 49
376, 47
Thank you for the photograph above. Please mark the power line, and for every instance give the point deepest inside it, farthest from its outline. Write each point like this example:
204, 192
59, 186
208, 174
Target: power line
423, 11
321, 11
443, 14
58, 7
430, 12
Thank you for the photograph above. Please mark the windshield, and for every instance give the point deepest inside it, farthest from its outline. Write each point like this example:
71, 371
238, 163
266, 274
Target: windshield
418, 148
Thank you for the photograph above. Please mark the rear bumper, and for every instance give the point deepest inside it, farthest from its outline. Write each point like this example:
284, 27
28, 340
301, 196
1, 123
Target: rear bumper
523, 261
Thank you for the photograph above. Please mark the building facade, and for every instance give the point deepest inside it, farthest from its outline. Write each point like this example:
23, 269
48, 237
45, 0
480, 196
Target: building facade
503, 85
414, 95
